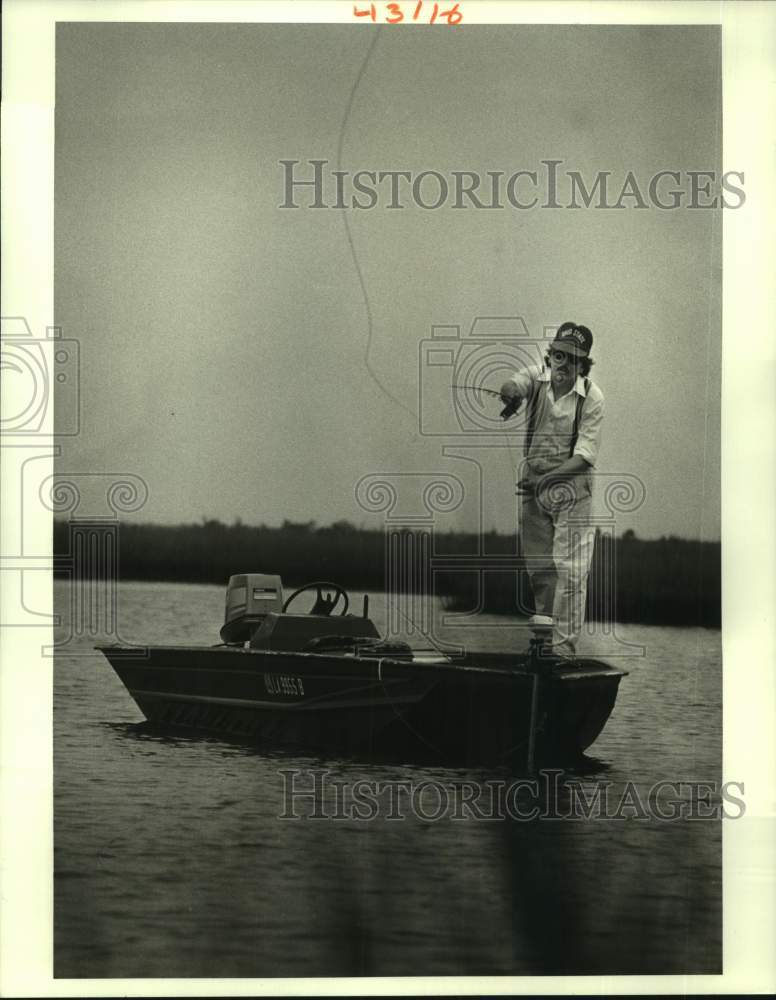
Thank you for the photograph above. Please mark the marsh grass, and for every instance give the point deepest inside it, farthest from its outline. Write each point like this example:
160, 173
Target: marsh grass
668, 581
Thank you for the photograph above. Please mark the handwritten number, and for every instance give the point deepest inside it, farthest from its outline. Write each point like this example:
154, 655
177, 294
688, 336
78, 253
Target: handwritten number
454, 16
396, 13
365, 13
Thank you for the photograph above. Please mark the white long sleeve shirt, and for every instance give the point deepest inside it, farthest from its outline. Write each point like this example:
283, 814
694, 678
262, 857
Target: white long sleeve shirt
551, 444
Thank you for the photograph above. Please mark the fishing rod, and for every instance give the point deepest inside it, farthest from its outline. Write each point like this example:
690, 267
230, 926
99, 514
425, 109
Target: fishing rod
509, 410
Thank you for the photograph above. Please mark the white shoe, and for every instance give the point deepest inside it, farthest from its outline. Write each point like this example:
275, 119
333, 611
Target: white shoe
541, 626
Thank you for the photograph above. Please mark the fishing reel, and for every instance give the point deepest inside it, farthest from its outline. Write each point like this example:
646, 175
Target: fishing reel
511, 408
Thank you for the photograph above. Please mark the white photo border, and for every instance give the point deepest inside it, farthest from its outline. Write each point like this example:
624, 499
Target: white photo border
748, 494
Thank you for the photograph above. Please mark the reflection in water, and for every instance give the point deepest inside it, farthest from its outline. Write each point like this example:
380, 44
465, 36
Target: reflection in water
495, 881
420, 754
172, 857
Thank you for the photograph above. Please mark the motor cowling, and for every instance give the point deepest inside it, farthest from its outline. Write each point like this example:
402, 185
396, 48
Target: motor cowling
250, 597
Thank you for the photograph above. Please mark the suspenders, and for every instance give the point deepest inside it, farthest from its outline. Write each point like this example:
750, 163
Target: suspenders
533, 408
578, 416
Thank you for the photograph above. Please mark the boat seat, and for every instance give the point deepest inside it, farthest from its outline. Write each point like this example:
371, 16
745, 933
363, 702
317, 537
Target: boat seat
294, 632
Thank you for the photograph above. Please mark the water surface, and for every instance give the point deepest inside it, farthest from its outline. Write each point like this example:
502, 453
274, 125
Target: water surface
171, 859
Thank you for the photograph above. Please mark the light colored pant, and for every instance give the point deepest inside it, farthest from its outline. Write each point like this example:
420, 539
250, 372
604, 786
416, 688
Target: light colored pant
557, 543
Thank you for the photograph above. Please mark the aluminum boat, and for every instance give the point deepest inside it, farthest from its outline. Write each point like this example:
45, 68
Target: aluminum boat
328, 682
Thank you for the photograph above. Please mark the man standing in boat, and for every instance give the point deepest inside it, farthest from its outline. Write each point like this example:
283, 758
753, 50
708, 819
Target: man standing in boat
565, 411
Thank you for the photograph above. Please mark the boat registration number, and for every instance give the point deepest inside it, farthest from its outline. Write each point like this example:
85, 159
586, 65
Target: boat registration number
283, 684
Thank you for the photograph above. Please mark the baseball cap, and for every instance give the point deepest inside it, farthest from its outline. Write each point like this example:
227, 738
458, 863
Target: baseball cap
576, 340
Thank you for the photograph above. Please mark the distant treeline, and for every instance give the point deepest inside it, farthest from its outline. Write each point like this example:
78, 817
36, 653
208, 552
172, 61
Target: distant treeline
670, 581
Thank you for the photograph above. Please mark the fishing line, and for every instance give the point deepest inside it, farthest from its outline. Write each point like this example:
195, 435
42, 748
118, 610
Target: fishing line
408, 725
513, 465
417, 628
512, 461
348, 233
510, 410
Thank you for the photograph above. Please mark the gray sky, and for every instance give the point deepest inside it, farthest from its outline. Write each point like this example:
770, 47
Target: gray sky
225, 341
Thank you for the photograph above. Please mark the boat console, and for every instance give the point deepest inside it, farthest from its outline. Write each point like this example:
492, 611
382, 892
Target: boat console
257, 614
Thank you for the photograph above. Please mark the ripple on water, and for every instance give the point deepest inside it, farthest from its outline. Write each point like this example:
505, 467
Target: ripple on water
171, 859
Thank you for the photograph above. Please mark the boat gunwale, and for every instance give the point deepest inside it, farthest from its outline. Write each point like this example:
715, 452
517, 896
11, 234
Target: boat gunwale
581, 669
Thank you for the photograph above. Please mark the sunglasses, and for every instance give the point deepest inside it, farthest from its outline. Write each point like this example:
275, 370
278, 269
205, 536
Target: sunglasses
561, 356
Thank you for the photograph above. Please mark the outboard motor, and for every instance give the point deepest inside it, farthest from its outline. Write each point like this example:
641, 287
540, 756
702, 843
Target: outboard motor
250, 597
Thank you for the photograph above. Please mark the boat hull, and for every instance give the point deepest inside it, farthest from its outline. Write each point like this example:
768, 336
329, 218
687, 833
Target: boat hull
474, 710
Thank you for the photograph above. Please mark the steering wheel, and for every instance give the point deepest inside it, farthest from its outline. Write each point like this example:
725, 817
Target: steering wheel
324, 604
